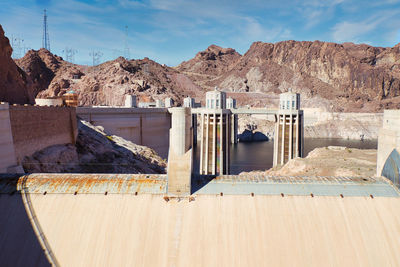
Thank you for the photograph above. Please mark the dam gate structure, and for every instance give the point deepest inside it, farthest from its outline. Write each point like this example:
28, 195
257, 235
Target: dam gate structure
218, 122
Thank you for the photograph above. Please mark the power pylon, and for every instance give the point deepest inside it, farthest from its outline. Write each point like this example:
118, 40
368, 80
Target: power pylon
46, 39
69, 54
96, 56
17, 45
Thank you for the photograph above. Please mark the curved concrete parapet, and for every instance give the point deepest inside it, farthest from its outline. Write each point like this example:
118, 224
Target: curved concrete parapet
391, 169
49, 102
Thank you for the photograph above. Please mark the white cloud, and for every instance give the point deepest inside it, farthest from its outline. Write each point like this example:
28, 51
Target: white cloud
350, 32
356, 31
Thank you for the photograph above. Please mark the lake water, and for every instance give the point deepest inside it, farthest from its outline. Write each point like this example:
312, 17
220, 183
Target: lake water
258, 155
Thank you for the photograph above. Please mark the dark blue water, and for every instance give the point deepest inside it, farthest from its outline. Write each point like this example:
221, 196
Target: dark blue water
258, 155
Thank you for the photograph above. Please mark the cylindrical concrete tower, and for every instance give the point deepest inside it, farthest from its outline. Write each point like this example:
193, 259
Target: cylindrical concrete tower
215, 135
289, 131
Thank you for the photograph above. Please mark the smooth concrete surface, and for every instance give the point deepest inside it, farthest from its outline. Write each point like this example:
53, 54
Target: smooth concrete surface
143, 126
180, 155
179, 173
35, 128
49, 101
389, 138
295, 186
7, 151
147, 230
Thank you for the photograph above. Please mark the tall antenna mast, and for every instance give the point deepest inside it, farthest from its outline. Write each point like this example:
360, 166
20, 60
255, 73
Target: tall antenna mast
45, 40
126, 48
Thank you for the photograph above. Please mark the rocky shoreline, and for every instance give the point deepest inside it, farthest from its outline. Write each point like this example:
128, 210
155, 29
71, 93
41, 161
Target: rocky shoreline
329, 161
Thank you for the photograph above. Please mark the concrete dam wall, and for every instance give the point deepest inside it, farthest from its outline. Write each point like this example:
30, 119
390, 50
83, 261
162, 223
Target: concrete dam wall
7, 151
27, 129
143, 126
35, 128
145, 230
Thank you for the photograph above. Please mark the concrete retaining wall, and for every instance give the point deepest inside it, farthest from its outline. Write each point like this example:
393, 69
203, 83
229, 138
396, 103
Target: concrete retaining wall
7, 152
34, 128
142, 126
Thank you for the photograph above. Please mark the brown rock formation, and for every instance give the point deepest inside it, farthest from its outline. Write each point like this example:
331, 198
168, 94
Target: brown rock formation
351, 77
14, 85
41, 67
105, 84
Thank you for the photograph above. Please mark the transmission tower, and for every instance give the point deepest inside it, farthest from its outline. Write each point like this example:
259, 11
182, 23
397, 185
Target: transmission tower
45, 40
17, 45
69, 54
96, 56
126, 48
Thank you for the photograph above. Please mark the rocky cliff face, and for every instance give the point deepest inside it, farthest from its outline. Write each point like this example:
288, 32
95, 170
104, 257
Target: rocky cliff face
347, 77
14, 84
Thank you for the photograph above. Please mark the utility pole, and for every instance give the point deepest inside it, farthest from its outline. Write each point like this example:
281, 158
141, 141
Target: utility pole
45, 40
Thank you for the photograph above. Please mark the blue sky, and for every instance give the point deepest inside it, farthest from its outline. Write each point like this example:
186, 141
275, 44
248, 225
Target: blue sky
169, 31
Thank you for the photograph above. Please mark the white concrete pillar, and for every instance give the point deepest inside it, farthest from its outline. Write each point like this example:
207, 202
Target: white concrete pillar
290, 156
180, 156
214, 148
297, 136
283, 139
221, 140
228, 147
202, 121
206, 140
276, 140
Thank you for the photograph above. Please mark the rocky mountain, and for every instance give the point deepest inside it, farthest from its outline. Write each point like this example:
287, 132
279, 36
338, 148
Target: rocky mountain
209, 64
335, 77
107, 83
15, 87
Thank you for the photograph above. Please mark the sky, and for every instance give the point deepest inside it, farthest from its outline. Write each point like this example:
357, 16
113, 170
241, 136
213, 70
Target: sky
172, 31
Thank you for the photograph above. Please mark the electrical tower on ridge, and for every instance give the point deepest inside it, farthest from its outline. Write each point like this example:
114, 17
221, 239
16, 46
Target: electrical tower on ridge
45, 40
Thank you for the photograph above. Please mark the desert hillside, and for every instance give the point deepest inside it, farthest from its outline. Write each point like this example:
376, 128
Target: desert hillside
107, 83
